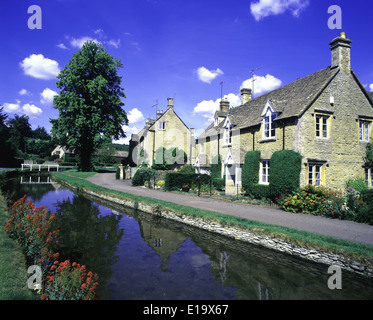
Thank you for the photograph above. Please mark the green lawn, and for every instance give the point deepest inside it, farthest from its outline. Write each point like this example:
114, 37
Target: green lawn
297, 237
13, 269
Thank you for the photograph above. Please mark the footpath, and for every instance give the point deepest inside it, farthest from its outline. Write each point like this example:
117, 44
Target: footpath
342, 229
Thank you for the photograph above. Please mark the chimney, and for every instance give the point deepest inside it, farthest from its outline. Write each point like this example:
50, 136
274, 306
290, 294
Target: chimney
341, 56
170, 103
224, 105
245, 95
159, 113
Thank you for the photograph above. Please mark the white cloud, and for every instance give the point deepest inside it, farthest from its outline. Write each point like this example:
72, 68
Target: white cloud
265, 8
23, 92
114, 43
128, 131
207, 108
62, 46
46, 97
371, 87
39, 67
31, 110
11, 107
135, 115
206, 75
79, 42
262, 84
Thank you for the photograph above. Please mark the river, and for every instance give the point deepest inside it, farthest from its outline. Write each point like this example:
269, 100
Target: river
141, 257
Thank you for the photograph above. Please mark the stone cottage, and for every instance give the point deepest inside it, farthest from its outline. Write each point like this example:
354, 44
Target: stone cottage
326, 117
168, 130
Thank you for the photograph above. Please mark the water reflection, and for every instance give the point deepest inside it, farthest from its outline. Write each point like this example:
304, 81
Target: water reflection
139, 256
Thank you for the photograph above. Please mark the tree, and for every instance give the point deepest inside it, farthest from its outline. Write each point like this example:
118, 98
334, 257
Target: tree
7, 153
89, 103
20, 130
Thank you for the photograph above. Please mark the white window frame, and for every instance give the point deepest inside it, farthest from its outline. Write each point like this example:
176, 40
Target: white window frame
314, 174
162, 125
264, 171
322, 128
364, 128
227, 133
269, 126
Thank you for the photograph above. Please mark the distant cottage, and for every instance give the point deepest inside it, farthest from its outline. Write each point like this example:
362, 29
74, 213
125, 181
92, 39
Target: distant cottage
326, 117
167, 131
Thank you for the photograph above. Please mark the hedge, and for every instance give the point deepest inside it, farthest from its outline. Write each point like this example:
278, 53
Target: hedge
250, 170
285, 168
215, 168
259, 191
141, 176
176, 180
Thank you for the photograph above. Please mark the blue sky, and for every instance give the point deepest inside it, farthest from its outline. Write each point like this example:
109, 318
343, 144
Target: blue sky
178, 49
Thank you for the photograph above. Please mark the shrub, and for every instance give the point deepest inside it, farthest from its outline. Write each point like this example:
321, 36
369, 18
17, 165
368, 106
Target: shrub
218, 183
215, 168
259, 191
250, 170
358, 184
176, 180
365, 215
284, 176
142, 175
187, 169
307, 199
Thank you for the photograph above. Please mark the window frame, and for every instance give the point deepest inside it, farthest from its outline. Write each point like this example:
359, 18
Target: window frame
162, 125
369, 176
265, 166
316, 174
322, 127
364, 130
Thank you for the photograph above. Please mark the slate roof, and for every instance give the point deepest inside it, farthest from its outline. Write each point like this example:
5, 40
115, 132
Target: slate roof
290, 100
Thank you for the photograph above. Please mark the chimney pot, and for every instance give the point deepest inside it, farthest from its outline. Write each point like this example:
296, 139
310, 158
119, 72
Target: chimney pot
170, 103
341, 52
245, 95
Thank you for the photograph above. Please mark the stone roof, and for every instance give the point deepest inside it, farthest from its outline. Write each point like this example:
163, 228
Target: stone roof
290, 100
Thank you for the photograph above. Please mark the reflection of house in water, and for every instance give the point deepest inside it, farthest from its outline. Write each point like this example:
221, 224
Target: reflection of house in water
162, 240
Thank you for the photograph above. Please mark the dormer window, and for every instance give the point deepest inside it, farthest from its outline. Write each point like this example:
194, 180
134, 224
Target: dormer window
269, 126
227, 132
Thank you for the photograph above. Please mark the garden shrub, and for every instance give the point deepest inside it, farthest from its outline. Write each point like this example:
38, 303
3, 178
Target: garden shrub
215, 167
285, 169
187, 169
142, 175
359, 184
176, 180
259, 191
365, 215
250, 170
218, 183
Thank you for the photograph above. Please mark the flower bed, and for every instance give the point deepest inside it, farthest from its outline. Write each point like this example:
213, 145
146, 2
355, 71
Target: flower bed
321, 201
35, 228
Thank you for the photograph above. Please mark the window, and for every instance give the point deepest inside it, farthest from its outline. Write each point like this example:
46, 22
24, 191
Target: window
269, 125
314, 174
227, 134
162, 125
364, 130
369, 176
321, 126
264, 171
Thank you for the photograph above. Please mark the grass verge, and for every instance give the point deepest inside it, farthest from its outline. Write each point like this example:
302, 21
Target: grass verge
296, 237
13, 270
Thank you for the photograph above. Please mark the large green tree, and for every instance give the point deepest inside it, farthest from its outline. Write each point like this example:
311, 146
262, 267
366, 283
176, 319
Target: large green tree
89, 103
